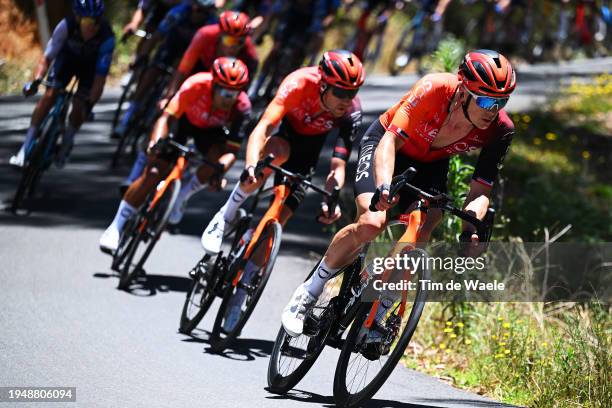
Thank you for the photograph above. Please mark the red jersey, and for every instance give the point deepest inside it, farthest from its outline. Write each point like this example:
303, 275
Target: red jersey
418, 116
204, 47
298, 101
195, 98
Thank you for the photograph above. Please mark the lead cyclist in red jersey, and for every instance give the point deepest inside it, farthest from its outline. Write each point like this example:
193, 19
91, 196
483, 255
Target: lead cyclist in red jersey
442, 115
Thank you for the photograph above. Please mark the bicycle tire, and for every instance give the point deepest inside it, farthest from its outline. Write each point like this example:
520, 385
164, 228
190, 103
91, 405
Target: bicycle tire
174, 189
125, 96
403, 45
281, 384
187, 324
342, 396
218, 341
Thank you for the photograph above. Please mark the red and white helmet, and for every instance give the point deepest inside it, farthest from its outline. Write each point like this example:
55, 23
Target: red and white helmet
230, 73
234, 23
342, 69
488, 73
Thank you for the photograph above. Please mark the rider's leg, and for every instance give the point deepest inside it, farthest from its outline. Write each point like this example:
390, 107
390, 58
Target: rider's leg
214, 146
213, 233
134, 197
43, 106
147, 80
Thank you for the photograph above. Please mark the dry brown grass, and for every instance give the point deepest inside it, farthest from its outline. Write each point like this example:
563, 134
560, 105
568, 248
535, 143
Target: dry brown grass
19, 34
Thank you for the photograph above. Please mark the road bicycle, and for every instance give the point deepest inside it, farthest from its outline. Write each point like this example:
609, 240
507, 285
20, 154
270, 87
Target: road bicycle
129, 86
144, 228
420, 38
141, 122
366, 41
41, 153
343, 319
224, 277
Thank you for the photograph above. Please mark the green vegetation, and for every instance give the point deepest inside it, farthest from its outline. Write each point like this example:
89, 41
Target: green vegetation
535, 354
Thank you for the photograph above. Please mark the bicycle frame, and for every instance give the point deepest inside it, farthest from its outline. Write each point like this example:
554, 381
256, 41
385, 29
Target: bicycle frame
175, 173
281, 192
414, 222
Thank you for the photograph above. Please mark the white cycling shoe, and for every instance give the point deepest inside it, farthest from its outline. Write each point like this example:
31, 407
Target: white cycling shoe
212, 237
18, 159
109, 241
295, 311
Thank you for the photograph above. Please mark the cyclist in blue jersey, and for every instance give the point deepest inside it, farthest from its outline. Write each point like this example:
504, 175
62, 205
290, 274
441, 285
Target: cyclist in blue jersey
176, 31
81, 46
149, 12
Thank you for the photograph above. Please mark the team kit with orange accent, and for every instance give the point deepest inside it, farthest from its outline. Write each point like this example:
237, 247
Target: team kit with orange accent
442, 115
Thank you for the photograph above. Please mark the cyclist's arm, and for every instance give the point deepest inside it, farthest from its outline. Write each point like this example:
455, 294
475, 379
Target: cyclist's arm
135, 22
442, 6
196, 47
487, 168
53, 48
287, 96
161, 128
384, 158
105, 57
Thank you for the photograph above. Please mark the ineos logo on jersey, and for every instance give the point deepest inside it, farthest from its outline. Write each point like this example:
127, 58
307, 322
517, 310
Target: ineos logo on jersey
364, 163
419, 91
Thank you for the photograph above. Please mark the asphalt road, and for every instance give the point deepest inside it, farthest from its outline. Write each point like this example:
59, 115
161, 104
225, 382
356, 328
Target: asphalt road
63, 323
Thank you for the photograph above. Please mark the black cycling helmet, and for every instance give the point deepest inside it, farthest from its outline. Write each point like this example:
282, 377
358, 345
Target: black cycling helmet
88, 8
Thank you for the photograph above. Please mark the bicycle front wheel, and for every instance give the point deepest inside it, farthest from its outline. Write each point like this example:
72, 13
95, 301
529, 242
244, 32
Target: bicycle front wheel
364, 365
239, 301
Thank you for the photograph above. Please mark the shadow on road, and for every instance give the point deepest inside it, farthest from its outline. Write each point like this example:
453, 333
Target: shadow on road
241, 350
150, 285
328, 401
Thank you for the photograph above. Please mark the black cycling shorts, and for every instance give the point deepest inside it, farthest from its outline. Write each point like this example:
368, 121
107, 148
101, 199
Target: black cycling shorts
303, 159
431, 177
203, 139
66, 66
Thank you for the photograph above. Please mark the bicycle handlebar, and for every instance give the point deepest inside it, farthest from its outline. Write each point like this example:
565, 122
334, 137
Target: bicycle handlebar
333, 197
441, 201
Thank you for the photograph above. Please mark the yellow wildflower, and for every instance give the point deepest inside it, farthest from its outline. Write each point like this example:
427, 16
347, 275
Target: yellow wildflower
544, 344
449, 323
468, 341
442, 346
499, 355
506, 351
506, 334
586, 155
551, 136
453, 335
506, 325
537, 141
502, 343
448, 330
526, 118
459, 324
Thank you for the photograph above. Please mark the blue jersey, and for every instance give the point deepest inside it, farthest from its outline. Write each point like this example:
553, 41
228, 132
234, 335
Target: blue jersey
67, 38
177, 24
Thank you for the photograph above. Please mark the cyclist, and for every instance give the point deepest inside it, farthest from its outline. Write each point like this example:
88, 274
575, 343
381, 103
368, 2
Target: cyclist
151, 12
441, 116
205, 105
300, 25
176, 31
309, 104
230, 37
81, 46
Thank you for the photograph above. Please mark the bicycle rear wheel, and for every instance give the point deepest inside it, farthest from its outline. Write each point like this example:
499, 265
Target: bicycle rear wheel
269, 241
126, 95
363, 369
401, 54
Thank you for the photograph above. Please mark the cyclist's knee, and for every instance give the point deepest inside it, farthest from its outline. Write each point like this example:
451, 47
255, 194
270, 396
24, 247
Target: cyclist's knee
279, 148
369, 225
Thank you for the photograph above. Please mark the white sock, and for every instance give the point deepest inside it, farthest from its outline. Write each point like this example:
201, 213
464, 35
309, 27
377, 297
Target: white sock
317, 281
233, 203
189, 189
124, 212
